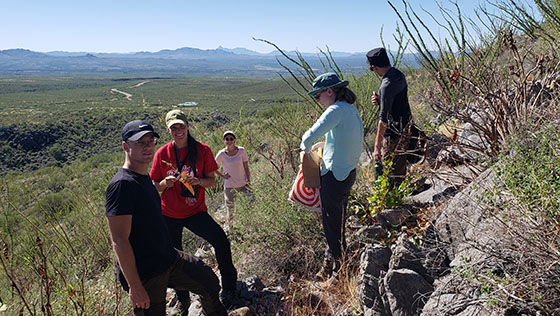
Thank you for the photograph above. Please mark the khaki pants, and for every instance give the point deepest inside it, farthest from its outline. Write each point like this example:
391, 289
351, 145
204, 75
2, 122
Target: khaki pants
229, 195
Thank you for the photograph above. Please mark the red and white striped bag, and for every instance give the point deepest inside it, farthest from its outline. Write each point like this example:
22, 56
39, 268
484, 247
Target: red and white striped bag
308, 197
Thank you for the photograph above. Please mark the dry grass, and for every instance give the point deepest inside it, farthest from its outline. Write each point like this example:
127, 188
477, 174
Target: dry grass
331, 297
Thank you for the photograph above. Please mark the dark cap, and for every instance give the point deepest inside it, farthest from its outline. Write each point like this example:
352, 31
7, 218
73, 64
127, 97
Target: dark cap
326, 81
136, 129
378, 57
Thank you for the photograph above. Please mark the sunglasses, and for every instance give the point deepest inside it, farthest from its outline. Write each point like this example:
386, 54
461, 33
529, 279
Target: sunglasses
229, 138
318, 95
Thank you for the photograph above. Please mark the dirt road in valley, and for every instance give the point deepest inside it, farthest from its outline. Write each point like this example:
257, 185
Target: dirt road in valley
140, 84
128, 96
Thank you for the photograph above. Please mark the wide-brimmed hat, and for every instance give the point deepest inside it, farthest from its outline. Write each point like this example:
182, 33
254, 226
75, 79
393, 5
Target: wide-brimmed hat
174, 117
326, 81
134, 130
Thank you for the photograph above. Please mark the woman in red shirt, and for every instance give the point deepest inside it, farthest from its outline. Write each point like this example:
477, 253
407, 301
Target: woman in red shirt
192, 163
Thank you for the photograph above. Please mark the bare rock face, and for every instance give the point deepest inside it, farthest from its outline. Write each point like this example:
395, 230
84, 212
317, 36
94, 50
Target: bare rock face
374, 260
465, 218
371, 234
436, 261
468, 232
444, 185
455, 295
405, 292
393, 282
407, 256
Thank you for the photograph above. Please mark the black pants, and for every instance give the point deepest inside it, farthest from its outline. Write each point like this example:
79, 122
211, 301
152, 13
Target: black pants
186, 273
334, 199
204, 226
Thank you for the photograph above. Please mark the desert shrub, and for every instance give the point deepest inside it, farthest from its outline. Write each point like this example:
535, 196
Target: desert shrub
530, 171
301, 81
384, 196
525, 202
276, 237
486, 76
56, 257
57, 152
373, 193
54, 205
277, 137
56, 180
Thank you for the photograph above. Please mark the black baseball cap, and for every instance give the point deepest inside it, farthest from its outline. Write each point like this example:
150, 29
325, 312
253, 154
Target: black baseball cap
136, 129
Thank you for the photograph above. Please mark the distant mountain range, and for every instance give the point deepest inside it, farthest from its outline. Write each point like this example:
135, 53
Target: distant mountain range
191, 52
220, 61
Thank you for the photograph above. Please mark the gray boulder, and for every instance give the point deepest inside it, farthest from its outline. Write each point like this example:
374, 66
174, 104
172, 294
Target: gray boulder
444, 184
374, 260
393, 217
466, 218
407, 256
405, 292
371, 234
474, 240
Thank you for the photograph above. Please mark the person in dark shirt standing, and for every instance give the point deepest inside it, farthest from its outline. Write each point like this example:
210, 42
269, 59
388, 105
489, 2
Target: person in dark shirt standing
147, 263
394, 114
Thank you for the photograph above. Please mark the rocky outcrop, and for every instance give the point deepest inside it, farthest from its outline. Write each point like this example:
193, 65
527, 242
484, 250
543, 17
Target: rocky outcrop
455, 295
405, 292
374, 261
444, 184
393, 281
437, 278
467, 231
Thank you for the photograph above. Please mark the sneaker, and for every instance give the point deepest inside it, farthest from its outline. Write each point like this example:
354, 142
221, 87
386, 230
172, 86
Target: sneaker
332, 281
182, 308
230, 299
326, 270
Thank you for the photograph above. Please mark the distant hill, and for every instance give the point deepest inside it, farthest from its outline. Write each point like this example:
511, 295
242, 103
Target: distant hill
185, 60
21, 53
186, 53
240, 51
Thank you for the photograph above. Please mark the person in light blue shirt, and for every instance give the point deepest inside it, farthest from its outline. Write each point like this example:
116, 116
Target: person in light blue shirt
342, 127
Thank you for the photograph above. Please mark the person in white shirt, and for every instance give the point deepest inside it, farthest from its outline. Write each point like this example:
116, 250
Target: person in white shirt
236, 175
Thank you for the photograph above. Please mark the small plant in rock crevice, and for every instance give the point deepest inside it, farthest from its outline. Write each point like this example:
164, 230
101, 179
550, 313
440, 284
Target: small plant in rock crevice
377, 195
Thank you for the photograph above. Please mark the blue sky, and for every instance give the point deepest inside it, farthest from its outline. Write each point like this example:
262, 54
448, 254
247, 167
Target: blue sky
142, 25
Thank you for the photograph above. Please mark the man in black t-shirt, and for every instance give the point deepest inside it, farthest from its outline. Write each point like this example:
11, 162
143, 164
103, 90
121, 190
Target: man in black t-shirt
394, 114
147, 262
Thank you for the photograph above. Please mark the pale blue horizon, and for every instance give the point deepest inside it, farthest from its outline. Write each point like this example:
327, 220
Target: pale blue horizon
124, 26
